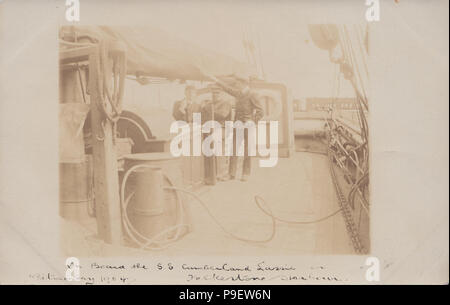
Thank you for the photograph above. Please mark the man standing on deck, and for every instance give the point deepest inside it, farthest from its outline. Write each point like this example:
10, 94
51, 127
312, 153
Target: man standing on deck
183, 109
248, 108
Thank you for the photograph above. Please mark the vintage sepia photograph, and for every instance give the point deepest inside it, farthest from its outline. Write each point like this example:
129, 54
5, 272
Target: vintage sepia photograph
251, 143
124, 186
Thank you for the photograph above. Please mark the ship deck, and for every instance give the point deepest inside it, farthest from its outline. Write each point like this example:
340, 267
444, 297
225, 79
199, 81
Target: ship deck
299, 188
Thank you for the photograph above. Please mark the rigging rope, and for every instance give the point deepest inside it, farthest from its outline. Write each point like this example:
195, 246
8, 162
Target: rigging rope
111, 67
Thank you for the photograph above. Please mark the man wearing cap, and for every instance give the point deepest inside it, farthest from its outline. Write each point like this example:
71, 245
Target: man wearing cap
183, 109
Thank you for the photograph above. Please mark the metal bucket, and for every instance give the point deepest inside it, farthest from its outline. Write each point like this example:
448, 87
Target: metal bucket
75, 190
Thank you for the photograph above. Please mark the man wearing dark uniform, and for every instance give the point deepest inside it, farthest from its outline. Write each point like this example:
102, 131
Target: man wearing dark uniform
183, 109
248, 108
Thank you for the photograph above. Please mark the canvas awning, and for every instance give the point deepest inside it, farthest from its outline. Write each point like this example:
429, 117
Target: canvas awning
153, 52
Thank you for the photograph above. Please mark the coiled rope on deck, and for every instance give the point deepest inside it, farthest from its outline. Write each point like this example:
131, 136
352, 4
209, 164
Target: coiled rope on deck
161, 241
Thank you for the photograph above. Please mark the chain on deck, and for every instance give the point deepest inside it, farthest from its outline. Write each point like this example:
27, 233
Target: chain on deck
349, 223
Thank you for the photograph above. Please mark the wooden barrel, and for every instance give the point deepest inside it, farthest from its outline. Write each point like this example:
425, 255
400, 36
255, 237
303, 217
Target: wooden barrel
153, 209
75, 189
146, 208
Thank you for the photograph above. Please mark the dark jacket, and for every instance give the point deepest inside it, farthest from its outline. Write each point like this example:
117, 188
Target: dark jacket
248, 105
184, 114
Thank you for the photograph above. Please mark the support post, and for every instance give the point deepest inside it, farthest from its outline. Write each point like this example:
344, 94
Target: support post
106, 179
210, 162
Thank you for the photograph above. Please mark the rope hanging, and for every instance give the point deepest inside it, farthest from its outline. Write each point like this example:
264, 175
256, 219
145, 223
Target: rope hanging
111, 71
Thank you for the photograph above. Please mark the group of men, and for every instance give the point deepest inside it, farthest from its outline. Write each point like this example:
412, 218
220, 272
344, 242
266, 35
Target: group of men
247, 108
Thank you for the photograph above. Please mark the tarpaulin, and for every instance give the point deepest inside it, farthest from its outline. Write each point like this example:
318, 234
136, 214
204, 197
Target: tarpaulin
153, 52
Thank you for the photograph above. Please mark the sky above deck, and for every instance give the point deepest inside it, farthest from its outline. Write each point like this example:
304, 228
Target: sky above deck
288, 54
